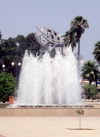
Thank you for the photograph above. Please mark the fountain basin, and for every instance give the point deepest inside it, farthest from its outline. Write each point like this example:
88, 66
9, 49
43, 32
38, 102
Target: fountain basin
48, 111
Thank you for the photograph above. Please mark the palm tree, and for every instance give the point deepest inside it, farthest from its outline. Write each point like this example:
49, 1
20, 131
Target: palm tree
96, 51
70, 38
90, 71
78, 25
0, 35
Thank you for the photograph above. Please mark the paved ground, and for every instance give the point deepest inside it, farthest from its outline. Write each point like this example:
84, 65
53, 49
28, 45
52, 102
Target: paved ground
49, 127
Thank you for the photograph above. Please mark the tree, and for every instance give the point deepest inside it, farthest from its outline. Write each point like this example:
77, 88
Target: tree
90, 91
27, 43
70, 38
96, 51
32, 44
21, 45
0, 35
78, 26
7, 86
8, 51
80, 112
13, 49
90, 71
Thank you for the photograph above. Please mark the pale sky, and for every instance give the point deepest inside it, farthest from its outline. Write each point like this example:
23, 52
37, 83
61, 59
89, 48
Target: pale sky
22, 17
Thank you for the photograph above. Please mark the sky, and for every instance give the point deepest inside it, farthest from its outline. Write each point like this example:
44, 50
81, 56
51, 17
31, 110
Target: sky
21, 17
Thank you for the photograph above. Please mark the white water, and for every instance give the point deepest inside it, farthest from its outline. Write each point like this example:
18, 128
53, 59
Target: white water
49, 81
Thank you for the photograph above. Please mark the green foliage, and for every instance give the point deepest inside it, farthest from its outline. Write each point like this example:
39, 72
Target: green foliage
7, 86
80, 111
78, 26
32, 44
8, 51
90, 91
0, 35
13, 49
90, 71
96, 51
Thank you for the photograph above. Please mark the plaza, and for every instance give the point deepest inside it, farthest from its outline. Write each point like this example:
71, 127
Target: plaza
27, 124
47, 126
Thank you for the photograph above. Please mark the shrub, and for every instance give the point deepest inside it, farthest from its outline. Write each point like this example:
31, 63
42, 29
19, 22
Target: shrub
90, 91
7, 86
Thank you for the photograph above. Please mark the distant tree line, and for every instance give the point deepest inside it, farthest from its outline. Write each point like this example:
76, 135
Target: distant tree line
13, 49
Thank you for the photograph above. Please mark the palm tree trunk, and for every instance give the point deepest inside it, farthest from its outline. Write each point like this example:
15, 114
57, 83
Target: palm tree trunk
79, 56
96, 80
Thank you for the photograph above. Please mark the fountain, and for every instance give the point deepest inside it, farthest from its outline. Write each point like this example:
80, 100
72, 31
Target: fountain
49, 81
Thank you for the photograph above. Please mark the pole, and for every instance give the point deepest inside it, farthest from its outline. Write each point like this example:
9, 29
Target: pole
79, 57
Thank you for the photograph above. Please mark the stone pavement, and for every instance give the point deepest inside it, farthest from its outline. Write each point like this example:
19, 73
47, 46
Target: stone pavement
55, 126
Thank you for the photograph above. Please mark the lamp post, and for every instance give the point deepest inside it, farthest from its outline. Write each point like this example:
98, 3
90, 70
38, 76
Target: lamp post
3, 67
16, 64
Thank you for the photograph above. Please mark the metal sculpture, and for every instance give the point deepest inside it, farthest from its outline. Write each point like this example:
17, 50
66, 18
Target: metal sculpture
49, 40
